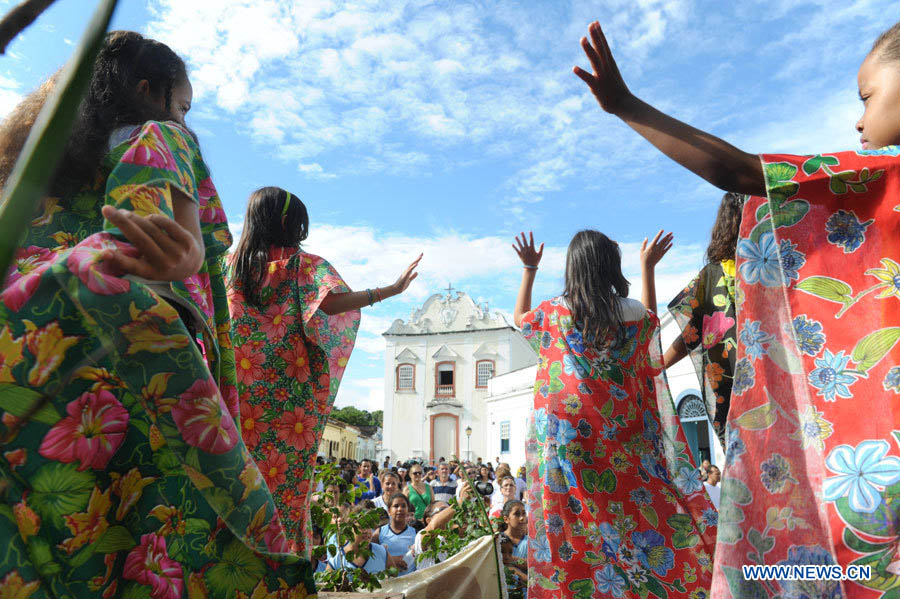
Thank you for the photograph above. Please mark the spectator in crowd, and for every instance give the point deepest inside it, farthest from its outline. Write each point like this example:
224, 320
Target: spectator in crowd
366, 475
430, 474
507, 493
321, 563
712, 485
521, 483
704, 469
386, 464
418, 491
484, 473
377, 562
390, 484
397, 536
403, 473
514, 539
442, 486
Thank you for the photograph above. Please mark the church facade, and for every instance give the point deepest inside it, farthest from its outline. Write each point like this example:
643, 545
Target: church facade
438, 366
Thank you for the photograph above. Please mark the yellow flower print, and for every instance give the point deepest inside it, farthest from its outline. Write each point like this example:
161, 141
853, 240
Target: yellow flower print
172, 519
252, 479
14, 587
49, 346
10, 353
196, 586
129, 488
142, 199
813, 428
64, 239
89, 525
103, 378
143, 332
28, 521
51, 207
890, 276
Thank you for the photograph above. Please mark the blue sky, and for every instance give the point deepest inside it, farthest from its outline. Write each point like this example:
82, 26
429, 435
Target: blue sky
448, 126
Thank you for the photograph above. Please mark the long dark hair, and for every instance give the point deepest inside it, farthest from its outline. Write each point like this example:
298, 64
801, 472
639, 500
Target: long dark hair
276, 218
112, 101
724, 236
595, 283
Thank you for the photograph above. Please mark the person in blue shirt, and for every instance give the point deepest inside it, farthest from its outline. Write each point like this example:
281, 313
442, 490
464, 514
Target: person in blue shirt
516, 520
397, 536
365, 474
376, 562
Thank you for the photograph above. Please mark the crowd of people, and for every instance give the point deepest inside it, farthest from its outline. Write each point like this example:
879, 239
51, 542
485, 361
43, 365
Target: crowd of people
163, 400
413, 498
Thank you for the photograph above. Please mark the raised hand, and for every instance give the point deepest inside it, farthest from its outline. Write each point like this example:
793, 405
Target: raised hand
606, 82
402, 283
653, 253
168, 251
525, 249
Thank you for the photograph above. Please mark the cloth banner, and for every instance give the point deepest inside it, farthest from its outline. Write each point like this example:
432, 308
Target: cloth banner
470, 574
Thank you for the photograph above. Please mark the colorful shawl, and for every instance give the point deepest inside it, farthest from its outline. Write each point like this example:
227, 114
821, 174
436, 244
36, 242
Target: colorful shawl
132, 480
616, 507
704, 311
812, 474
290, 358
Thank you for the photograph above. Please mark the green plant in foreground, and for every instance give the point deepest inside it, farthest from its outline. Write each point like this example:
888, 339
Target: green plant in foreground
339, 529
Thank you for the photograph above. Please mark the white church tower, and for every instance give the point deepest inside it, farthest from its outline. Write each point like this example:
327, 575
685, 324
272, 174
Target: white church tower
437, 368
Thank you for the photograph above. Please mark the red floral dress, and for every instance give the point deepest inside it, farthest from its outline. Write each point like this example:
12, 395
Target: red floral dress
812, 473
290, 357
616, 508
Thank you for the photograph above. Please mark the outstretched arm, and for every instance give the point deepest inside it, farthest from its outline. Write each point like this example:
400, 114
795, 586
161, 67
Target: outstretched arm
713, 159
650, 257
530, 259
337, 303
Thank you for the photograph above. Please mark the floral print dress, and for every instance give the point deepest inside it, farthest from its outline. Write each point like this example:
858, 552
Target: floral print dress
812, 471
616, 508
123, 472
705, 312
290, 357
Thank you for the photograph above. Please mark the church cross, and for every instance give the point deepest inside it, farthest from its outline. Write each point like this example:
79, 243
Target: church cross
450, 290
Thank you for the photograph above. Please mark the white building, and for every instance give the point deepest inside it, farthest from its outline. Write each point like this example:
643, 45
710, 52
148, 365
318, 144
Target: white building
510, 396
437, 371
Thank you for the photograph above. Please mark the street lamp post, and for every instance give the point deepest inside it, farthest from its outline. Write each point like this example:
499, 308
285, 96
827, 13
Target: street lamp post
469, 442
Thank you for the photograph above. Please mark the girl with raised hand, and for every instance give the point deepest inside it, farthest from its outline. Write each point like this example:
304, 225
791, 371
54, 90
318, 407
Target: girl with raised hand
132, 479
814, 338
294, 325
608, 471
705, 311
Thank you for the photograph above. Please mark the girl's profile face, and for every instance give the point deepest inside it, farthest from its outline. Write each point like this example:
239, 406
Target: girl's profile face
879, 89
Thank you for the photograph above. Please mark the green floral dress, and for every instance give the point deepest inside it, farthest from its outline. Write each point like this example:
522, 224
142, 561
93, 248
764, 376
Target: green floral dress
132, 479
290, 357
705, 312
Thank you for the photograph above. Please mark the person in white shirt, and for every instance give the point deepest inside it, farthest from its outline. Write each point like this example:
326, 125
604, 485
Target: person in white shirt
390, 484
507, 489
712, 485
444, 488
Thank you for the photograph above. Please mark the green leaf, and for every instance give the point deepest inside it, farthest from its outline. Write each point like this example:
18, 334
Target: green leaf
859, 545
759, 418
41, 556
239, 569
778, 173
762, 227
654, 586
595, 482
115, 538
815, 163
827, 288
60, 489
762, 544
81, 558
18, 401
134, 590
582, 588
607, 409
682, 539
787, 361
735, 491
650, 515
48, 139
682, 522
879, 523
790, 213
873, 347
